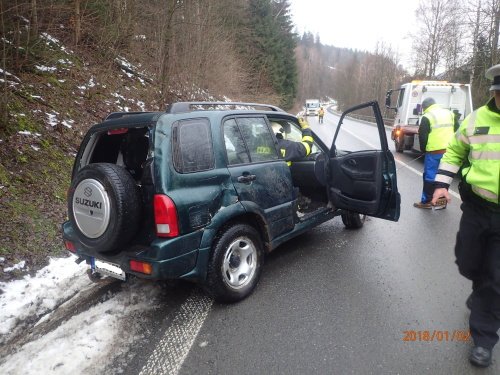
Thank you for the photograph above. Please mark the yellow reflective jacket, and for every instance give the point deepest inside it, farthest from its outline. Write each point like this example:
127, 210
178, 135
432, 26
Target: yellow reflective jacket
477, 141
441, 123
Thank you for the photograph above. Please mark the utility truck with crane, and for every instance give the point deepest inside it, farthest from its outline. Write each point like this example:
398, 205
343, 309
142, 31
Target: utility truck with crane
408, 107
312, 107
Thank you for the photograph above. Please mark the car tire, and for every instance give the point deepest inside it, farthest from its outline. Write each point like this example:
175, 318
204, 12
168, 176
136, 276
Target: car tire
235, 264
104, 207
353, 220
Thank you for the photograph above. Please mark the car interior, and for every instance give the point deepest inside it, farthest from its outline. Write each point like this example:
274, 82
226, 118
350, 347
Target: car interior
309, 174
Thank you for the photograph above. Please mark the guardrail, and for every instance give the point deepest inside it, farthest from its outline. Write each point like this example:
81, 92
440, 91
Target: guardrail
387, 121
371, 119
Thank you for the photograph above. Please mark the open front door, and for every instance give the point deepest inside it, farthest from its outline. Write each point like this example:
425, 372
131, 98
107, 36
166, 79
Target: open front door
362, 169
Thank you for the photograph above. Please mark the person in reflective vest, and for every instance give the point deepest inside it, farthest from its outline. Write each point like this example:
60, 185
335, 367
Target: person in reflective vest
475, 151
292, 150
435, 130
321, 114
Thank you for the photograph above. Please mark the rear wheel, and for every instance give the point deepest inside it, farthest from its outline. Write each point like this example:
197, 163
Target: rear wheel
399, 144
353, 220
235, 264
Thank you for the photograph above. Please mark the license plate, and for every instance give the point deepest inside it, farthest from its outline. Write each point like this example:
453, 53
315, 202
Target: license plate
109, 269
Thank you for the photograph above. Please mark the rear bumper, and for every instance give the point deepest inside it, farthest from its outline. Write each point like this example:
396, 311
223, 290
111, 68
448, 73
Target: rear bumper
169, 258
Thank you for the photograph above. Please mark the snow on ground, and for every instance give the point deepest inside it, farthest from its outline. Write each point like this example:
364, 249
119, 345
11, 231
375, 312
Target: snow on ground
82, 344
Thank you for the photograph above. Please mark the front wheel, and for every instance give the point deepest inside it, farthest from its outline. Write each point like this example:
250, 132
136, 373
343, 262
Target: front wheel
353, 220
235, 264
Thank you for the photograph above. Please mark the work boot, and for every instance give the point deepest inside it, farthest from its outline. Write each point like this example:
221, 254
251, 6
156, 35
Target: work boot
480, 356
427, 205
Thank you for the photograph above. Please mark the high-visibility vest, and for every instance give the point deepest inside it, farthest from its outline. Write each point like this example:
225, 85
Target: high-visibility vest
441, 121
478, 138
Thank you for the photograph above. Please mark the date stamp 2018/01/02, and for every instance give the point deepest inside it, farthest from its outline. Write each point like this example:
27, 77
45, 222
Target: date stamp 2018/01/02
437, 335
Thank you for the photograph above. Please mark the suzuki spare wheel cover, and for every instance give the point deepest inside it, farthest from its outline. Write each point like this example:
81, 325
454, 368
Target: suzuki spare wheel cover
91, 208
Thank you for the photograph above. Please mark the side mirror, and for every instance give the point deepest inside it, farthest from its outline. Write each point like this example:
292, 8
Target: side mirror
388, 99
417, 110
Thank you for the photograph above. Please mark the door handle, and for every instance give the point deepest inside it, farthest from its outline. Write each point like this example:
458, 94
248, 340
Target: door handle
246, 178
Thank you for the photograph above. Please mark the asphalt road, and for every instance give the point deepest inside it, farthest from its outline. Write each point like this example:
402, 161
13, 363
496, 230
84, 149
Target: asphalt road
386, 299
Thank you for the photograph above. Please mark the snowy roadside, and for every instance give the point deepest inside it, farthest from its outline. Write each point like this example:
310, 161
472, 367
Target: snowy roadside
84, 343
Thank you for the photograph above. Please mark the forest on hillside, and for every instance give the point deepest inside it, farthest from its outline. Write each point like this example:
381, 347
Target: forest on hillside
455, 40
248, 49
65, 64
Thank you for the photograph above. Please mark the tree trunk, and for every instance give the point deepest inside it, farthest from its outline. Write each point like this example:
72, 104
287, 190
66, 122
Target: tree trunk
475, 36
494, 47
34, 19
78, 22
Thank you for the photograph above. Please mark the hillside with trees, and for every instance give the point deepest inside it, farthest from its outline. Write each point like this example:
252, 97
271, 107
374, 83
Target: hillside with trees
66, 64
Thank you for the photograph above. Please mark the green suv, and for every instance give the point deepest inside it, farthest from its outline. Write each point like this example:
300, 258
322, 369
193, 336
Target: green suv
200, 192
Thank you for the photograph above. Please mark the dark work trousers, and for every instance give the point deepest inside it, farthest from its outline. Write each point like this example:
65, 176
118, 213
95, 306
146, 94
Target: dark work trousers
477, 252
431, 164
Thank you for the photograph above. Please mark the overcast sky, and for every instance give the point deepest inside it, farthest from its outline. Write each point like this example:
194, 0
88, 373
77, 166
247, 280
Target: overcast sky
359, 24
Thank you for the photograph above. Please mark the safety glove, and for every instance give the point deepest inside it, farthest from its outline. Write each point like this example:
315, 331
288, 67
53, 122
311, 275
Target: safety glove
303, 123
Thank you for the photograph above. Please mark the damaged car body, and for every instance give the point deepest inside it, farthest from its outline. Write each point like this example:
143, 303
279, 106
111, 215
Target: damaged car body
200, 192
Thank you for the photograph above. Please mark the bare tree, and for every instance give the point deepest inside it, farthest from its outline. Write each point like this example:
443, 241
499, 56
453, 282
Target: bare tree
436, 30
34, 19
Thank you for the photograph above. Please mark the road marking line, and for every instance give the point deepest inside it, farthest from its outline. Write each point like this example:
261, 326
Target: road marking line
174, 346
455, 194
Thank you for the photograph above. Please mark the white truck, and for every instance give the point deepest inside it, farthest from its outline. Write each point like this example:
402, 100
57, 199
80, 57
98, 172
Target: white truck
312, 107
453, 96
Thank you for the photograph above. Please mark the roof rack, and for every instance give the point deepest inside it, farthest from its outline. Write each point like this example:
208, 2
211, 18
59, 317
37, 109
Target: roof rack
115, 115
181, 107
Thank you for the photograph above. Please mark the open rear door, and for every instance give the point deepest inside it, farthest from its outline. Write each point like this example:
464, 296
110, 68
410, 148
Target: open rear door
362, 175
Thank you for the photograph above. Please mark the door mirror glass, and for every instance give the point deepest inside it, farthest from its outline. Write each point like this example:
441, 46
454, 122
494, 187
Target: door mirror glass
417, 110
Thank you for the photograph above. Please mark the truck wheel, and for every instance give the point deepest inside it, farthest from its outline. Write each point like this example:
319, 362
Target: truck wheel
399, 144
353, 220
235, 264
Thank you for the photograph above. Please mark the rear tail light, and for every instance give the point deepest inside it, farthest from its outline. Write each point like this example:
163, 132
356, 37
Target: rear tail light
165, 216
70, 246
142, 267
117, 131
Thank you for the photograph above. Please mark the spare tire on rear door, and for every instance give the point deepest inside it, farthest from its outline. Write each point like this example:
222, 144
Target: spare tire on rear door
104, 206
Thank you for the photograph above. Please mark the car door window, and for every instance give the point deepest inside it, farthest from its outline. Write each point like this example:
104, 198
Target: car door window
252, 135
236, 150
356, 134
258, 138
192, 145
290, 131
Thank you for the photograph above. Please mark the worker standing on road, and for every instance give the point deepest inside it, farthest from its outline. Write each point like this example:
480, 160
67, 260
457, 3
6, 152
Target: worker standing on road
292, 150
321, 113
434, 132
477, 248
